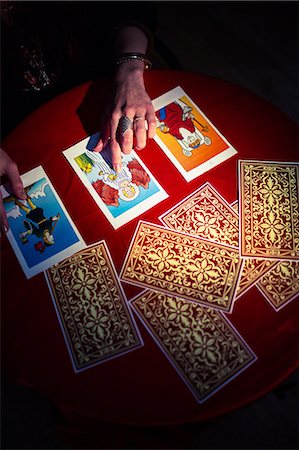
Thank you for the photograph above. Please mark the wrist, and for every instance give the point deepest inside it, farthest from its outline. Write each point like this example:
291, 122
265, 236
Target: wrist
132, 69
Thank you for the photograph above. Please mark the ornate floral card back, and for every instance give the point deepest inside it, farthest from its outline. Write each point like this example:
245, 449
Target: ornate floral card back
253, 269
281, 284
96, 323
205, 214
182, 265
269, 210
200, 343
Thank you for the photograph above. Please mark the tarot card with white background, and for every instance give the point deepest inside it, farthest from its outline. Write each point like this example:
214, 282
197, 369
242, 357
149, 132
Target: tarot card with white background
187, 136
41, 231
121, 197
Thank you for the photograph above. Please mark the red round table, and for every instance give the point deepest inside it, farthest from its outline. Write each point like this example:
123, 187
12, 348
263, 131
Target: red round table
140, 387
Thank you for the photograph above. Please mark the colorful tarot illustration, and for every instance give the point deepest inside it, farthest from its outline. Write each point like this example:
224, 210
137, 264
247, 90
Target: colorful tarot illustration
206, 214
269, 210
281, 285
187, 136
41, 230
91, 307
182, 265
200, 343
123, 196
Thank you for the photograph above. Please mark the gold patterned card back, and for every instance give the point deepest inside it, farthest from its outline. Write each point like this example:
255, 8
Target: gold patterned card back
96, 322
253, 269
205, 214
252, 272
269, 210
182, 265
281, 285
200, 343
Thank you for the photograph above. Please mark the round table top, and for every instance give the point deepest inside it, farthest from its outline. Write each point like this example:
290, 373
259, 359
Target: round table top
140, 387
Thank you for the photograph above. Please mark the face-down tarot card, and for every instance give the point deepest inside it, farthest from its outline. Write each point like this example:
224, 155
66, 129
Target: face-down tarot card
91, 307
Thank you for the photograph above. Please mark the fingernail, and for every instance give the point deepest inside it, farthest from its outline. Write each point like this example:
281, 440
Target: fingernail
4, 228
117, 168
99, 145
22, 193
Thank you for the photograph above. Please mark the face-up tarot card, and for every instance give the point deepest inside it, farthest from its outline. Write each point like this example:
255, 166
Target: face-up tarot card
123, 196
200, 343
41, 230
187, 136
205, 213
281, 285
182, 265
96, 323
269, 210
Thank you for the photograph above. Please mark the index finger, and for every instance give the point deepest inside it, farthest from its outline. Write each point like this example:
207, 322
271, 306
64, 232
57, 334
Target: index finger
13, 175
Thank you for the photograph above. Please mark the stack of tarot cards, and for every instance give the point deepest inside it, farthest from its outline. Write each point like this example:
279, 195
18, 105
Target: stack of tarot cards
201, 256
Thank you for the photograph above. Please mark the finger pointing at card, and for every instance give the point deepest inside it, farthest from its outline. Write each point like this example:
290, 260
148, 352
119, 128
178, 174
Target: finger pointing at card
130, 112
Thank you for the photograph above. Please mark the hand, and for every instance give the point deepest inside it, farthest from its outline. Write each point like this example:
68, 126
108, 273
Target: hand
129, 99
9, 169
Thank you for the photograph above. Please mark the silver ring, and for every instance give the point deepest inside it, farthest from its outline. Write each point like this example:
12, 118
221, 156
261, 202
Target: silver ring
125, 124
138, 118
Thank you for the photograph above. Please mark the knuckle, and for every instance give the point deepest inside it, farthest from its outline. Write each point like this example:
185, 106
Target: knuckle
115, 116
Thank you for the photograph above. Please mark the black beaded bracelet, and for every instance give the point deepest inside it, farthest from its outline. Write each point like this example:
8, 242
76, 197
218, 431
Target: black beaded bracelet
127, 57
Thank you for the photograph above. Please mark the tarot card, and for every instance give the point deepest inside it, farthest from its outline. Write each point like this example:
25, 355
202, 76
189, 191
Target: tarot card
91, 307
200, 343
269, 210
205, 213
187, 136
182, 265
123, 196
281, 285
253, 269
41, 231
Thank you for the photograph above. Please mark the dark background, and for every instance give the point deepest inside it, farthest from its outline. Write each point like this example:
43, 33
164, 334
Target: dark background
255, 45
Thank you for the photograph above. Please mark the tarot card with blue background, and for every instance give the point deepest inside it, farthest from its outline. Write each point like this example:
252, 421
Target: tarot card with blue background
40, 230
123, 196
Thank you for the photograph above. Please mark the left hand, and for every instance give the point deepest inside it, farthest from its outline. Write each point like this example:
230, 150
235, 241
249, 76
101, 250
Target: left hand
9, 169
129, 99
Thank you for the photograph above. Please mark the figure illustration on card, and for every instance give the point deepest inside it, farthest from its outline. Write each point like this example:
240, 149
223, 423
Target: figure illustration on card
112, 186
35, 221
177, 119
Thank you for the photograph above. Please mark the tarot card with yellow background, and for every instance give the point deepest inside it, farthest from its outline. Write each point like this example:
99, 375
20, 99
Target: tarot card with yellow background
187, 136
182, 265
269, 209
91, 307
204, 348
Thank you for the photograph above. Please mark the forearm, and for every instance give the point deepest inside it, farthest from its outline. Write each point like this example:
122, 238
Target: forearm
130, 39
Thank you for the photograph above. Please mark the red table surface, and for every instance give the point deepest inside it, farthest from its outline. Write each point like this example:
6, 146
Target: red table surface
140, 387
